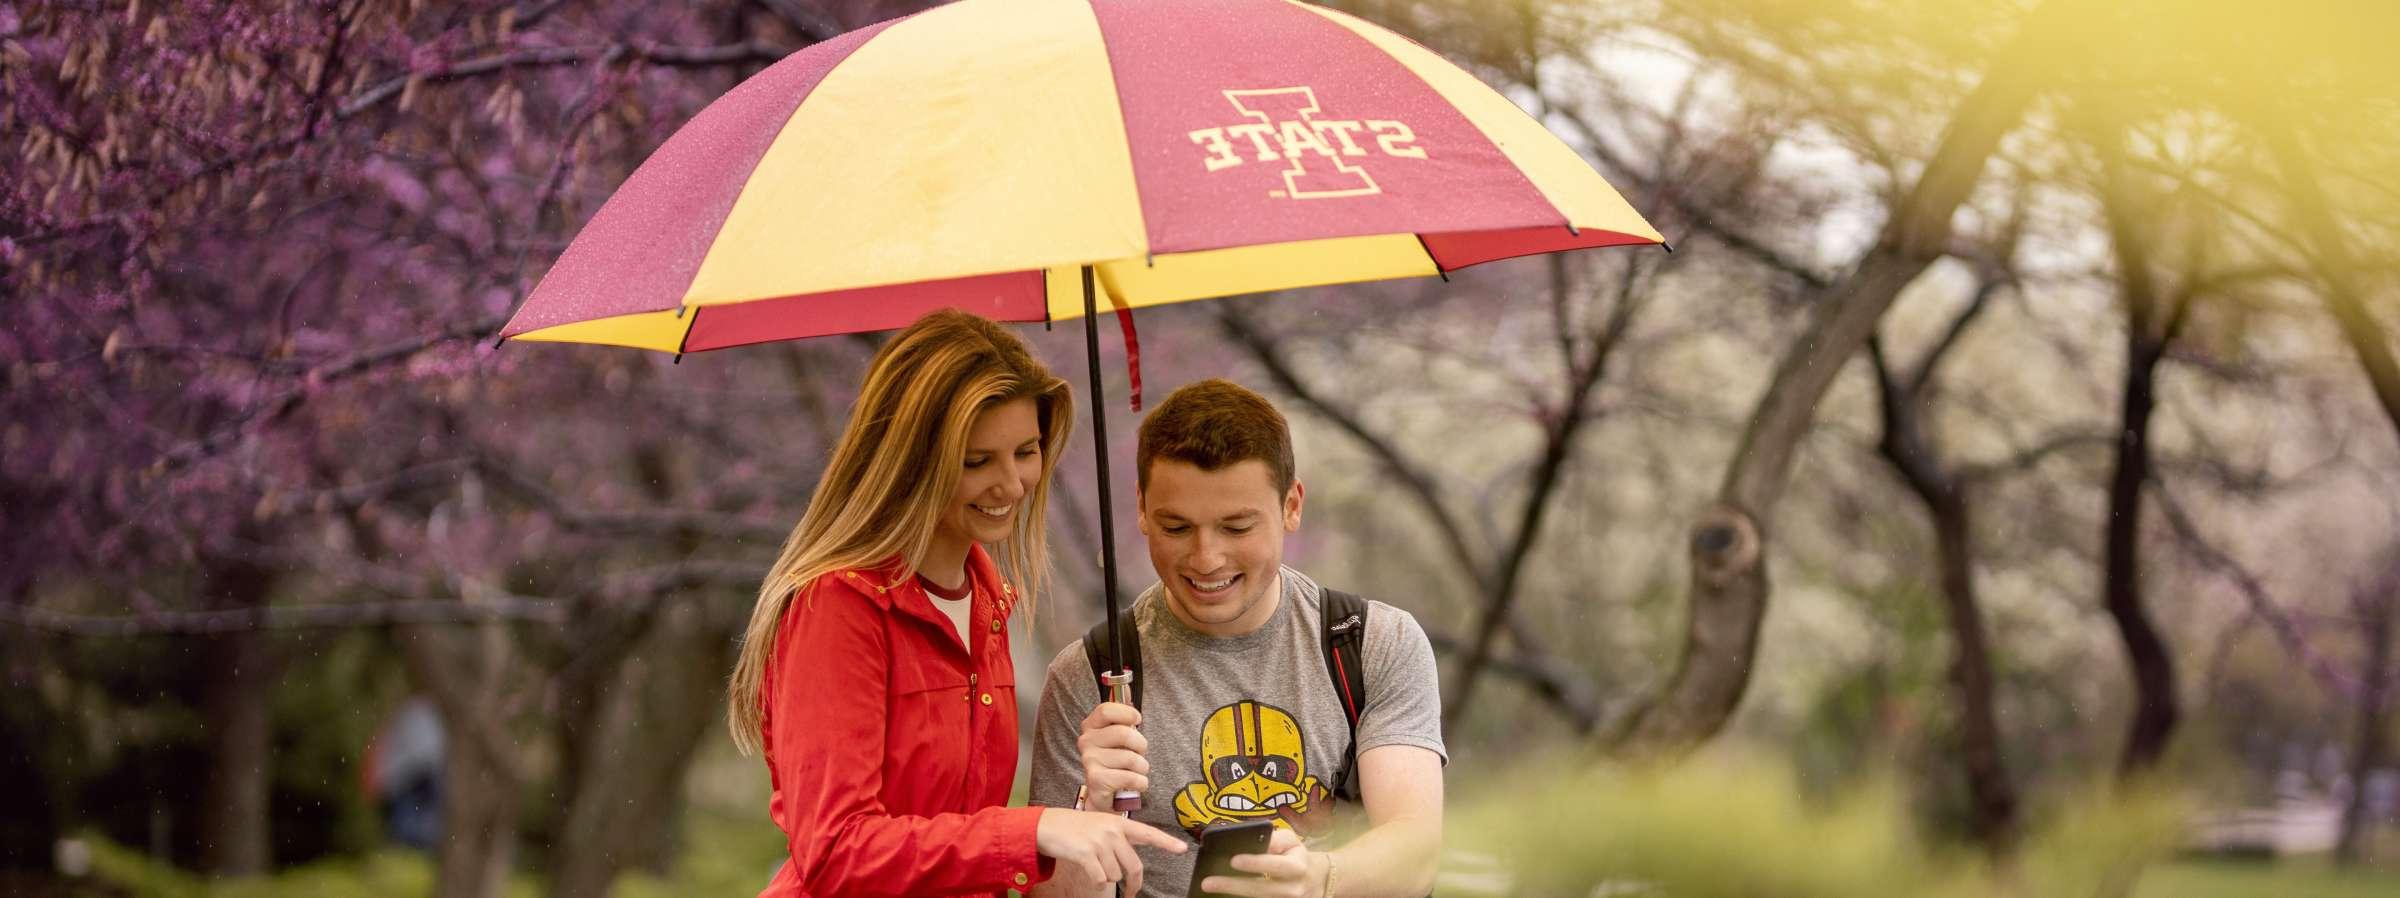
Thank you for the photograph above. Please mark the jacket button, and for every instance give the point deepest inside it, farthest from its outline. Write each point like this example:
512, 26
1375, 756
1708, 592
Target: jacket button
1020, 879
995, 626
987, 698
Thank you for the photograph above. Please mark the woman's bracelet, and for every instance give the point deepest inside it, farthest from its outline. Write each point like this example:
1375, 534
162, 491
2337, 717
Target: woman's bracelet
1328, 892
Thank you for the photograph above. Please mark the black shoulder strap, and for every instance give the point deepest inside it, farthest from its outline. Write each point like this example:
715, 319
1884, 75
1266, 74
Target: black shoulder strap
1344, 638
1096, 652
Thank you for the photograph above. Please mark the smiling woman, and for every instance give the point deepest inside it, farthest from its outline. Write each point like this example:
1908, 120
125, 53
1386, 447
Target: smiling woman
875, 675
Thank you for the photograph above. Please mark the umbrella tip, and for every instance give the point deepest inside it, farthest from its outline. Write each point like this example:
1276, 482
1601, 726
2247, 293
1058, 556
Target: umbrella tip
679, 358
1669, 247
1573, 231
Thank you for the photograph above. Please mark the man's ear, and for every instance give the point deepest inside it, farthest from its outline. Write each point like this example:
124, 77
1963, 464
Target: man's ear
1291, 508
1140, 504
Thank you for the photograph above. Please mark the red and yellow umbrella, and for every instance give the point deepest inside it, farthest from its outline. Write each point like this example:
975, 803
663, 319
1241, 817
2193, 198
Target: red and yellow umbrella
1018, 158
981, 154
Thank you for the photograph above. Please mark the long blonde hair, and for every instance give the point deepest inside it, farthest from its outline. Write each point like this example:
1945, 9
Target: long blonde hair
893, 473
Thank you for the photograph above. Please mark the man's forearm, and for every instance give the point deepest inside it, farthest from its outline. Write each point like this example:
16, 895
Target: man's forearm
1396, 859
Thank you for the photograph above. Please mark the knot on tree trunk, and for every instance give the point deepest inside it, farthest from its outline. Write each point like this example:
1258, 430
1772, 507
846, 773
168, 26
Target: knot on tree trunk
1725, 545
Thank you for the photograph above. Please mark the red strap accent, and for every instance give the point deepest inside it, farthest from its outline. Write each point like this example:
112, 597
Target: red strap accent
1349, 703
1133, 349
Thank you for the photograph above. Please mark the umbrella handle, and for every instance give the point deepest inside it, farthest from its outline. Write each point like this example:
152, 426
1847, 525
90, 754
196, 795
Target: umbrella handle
1120, 689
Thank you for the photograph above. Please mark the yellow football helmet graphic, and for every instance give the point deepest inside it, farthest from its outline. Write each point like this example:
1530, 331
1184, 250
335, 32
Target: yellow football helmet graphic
1257, 768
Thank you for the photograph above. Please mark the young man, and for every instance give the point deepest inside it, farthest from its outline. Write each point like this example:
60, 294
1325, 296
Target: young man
1239, 717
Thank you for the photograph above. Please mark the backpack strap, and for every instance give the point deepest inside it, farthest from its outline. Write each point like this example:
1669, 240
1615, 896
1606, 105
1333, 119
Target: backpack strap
1344, 640
1097, 651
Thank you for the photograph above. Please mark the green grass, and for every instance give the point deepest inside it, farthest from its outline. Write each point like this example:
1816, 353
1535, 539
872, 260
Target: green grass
2261, 879
725, 854
117, 870
1704, 831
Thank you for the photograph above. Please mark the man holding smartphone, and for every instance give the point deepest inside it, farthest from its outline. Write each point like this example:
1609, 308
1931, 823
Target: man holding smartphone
1248, 713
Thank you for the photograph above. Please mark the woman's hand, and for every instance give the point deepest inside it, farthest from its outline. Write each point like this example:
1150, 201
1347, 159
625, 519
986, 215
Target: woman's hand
1099, 846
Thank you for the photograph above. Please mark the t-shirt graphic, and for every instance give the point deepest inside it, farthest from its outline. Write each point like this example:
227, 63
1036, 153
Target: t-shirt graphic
1256, 763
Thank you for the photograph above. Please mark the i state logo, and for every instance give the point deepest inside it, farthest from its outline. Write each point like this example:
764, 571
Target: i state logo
1322, 155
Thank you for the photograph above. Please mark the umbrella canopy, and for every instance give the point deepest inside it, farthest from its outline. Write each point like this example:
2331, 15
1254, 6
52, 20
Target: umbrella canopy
1018, 158
982, 155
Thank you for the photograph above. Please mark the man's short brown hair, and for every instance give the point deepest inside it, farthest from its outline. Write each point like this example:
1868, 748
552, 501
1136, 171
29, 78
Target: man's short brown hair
1212, 425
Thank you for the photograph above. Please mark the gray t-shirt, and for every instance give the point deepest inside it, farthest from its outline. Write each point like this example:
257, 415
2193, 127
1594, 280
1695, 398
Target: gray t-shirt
1243, 727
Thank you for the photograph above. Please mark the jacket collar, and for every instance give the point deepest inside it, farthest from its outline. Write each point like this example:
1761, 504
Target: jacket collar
894, 585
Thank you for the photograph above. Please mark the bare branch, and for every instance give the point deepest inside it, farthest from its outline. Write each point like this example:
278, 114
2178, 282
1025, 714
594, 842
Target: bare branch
340, 369
2289, 632
2033, 456
1553, 679
645, 522
546, 57
1415, 481
1571, 418
2345, 290
287, 617
1924, 370
389, 89
812, 23
1690, 211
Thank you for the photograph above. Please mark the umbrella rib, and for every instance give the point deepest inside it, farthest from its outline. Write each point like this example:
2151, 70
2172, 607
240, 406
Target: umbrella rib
688, 328
1437, 263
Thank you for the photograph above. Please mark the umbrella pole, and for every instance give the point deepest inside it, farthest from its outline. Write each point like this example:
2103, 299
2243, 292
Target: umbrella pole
1108, 538
1119, 678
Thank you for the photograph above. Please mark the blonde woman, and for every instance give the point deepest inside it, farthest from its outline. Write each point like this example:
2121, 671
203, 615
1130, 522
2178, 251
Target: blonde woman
875, 674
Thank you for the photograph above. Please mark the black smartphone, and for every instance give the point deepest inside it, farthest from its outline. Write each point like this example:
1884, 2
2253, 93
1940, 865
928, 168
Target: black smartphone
1220, 844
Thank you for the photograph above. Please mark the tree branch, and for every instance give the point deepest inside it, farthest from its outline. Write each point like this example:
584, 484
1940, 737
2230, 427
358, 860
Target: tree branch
1553, 679
1417, 484
1690, 211
812, 23
287, 617
2033, 456
647, 522
2345, 294
2288, 632
1950, 337
546, 57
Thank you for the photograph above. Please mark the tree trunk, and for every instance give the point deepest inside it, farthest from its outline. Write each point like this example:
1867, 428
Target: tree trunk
1993, 795
1729, 584
479, 824
481, 774
646, 720
2153, 667
235, 826
642, 689
2373, 701
2147, 336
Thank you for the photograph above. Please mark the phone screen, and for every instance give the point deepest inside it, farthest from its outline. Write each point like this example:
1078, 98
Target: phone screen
1220, 844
